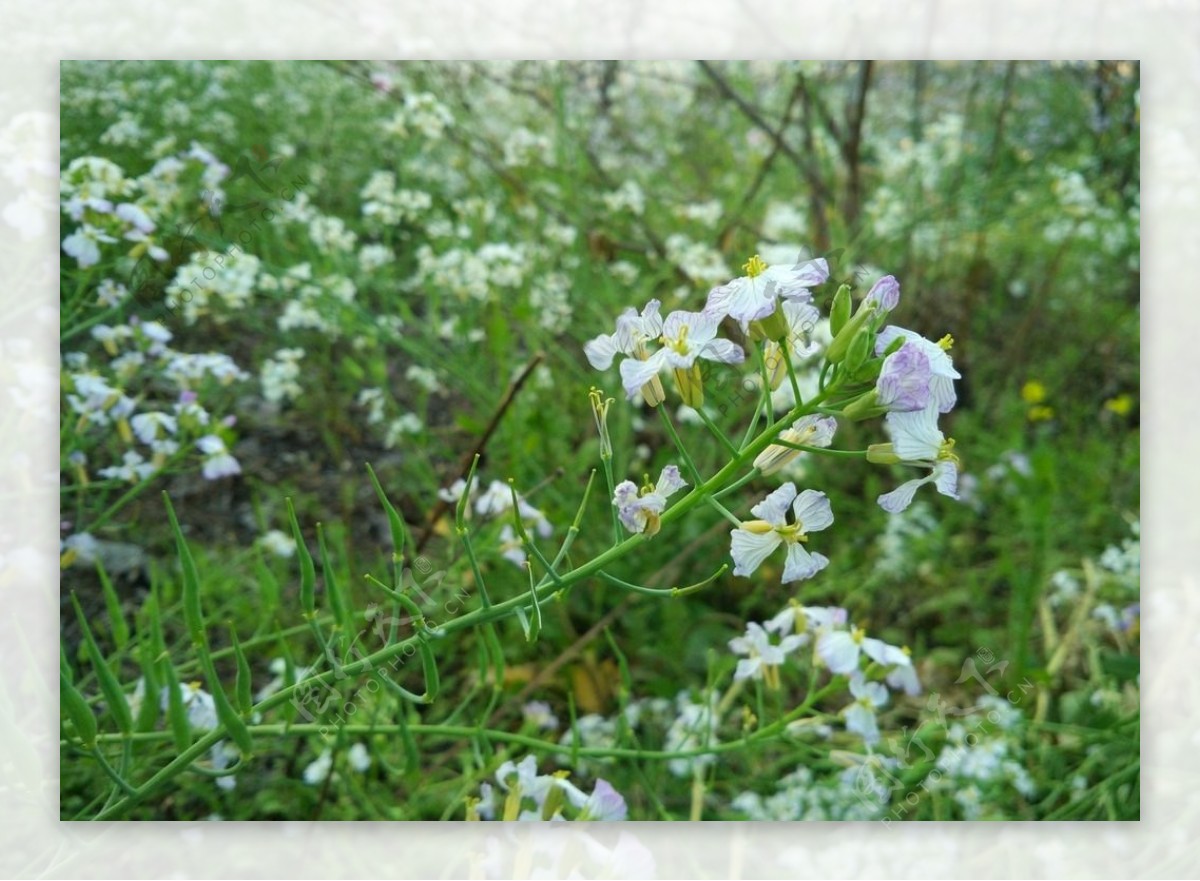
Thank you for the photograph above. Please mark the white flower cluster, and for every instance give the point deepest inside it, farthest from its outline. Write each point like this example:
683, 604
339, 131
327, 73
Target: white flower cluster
227, 278
973, 762
388, 206
279, 375
472, 274
496, 502
857, 793
839, 647
112, 407
423, 114
528, 795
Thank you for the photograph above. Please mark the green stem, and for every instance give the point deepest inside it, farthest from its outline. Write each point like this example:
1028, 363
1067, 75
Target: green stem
683, 453
478, 617
717, 433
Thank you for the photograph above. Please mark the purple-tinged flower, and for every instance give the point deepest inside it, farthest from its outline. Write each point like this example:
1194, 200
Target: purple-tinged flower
686, 338
941, 384
884, 294
756, 295
642, 511
905, 379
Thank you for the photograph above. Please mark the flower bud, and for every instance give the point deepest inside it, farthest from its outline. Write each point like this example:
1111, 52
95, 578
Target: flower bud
839, 312
841, 343
859, 351
863, 407
773, 327
652, 392
882, 454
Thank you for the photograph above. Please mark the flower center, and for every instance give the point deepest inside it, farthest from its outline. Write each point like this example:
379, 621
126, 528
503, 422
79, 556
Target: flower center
946, 343
680, 343
792, 532
946, 452
754, 267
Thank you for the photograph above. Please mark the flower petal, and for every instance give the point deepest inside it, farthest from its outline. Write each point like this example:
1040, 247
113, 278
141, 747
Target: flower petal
724, 351
774, 507
670, 481
813, 511
801, 564
901, 497
601, 351
838, 650
636, 373
749, 549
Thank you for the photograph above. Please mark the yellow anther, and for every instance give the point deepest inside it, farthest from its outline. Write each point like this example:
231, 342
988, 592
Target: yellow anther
945, 343
754, 267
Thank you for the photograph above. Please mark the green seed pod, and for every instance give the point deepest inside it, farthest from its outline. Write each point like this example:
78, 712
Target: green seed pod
242, 685
308, 572
192, 615
118, 706
226, 714
78, 711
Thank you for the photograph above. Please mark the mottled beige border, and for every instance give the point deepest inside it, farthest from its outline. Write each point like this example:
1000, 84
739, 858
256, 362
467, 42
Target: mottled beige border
1160, 32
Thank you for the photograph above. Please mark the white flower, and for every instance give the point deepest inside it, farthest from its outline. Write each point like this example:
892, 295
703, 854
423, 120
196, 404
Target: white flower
317, 770
763, 656
83, 245
755, 295
218, 462
200, 706
454, 491
498, 498
540, 715
359, 757
840, 650
916, 440
941, 386
641, 512
149, 426
278, 543
754, 540
806, 620
134, 468
811, 431
686, 337
632, 333
694, 728
903, 677
860, 715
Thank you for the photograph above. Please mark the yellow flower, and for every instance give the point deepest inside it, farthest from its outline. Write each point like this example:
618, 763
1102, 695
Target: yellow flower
1122, 404
1033, 392
1040, 413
